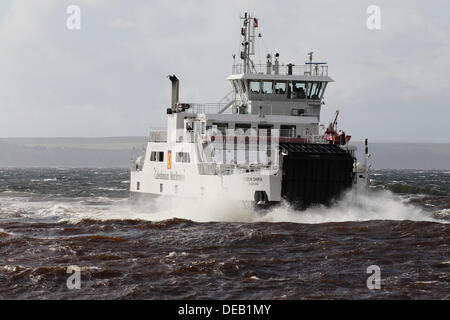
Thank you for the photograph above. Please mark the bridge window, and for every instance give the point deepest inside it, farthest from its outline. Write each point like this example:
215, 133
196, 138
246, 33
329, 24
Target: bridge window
297, 90
255, 86
316, 90
183, 157
280, 87
267, 87
157, 156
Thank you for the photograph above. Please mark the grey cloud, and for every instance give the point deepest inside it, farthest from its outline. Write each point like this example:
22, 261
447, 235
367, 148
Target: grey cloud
108, 78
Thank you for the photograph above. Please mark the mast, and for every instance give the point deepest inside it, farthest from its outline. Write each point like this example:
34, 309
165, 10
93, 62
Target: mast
249, 25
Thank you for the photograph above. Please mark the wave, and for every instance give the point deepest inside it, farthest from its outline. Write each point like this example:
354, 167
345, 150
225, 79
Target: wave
373, 205
376, 205
4, 234
404, 188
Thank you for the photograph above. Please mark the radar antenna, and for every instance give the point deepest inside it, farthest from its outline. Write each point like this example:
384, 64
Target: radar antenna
311, 63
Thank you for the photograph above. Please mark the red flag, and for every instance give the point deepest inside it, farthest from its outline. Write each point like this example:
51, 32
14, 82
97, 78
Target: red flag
255, 22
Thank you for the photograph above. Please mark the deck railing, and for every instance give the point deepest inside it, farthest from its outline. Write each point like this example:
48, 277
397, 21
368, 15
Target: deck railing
158, 136
209, 108
283, 69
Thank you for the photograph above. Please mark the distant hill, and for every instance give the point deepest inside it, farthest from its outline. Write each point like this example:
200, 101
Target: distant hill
407, 155
70, 152
117, 152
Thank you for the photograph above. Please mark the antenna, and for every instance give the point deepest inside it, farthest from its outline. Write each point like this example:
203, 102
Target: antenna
310, 54
276, 66
311, 63
248, 42
269, 64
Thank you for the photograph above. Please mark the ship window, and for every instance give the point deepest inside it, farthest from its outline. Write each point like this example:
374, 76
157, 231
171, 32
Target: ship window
298, 112
183, 157
280, 87
264, 131
297, 90
255, 86
157, 156
321, 89
316, 89
267, 87
138, 185
287, 131
220, 126
244, 126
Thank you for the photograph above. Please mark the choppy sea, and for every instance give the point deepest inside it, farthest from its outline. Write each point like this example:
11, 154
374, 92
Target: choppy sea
54, 218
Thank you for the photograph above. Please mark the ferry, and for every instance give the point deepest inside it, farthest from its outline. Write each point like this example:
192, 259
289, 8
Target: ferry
263, 143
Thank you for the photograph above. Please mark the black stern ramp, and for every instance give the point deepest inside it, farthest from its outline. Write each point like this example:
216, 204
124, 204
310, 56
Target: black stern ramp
314, 173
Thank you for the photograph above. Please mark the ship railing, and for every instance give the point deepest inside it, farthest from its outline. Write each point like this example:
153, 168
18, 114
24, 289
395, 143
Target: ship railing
264, 136
317, 70
158, 136
316, 139
284, 134
206, 168
207, 108
287, 133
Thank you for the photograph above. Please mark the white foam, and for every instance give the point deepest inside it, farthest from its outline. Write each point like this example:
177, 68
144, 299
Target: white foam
379, 205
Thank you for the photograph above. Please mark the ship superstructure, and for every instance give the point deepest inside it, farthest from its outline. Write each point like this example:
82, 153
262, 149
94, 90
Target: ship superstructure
262, 143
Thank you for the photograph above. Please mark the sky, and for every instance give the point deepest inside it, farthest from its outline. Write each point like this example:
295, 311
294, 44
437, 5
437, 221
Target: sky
109, 78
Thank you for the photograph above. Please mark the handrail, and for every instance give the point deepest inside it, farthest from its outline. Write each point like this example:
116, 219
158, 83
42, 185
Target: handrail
282, 69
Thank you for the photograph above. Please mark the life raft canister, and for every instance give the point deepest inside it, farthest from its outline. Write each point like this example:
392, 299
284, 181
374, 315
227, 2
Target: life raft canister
169, 159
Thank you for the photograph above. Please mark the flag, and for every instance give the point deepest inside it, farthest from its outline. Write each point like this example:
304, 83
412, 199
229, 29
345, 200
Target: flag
255, 22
